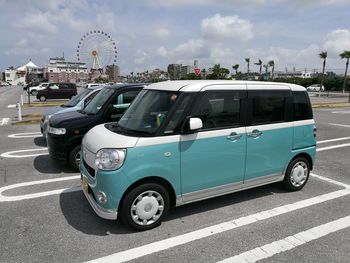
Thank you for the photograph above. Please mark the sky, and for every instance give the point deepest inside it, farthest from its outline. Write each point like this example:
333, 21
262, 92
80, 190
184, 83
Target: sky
151, 34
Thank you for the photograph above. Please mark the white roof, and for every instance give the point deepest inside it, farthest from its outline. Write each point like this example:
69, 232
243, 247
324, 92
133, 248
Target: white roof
30, 64
198, 85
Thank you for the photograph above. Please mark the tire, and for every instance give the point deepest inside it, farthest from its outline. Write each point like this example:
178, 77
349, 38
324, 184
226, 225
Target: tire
34, 92
297, 174
74, 158
42, 98
146, 213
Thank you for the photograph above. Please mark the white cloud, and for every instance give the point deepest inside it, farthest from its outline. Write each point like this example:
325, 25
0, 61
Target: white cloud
337, 41
106, 21
161, 33
162, 52
226, 27
140, 58
194, 48
38, 22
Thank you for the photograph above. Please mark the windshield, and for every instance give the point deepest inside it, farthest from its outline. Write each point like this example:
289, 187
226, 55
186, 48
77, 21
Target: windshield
96, 104
75, 100
148, 111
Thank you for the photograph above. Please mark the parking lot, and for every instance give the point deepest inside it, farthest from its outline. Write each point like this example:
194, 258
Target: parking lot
45, 216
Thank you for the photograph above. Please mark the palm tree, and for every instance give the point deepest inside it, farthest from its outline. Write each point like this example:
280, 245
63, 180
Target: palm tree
259, 63
272, 64
323, 55
216, 70
346, 55
248, 62
235, 67
266, 66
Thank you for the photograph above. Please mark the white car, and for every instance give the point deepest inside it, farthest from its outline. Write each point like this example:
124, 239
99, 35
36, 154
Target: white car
315, 87
34, 90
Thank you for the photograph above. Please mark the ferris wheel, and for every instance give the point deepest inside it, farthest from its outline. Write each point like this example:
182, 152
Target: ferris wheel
97, 49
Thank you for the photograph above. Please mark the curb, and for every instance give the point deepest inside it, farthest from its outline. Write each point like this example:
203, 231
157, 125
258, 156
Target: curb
34, 104
331, 105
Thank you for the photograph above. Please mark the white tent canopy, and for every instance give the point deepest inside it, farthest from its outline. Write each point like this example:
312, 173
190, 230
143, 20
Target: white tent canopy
30, 64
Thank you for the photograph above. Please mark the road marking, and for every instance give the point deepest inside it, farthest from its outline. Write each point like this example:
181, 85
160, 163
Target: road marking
4, 198
289, 242
4, 121
342, 112
25, 135
161, 245
11, 106
340, 125
12, 154
332, 147
333, 140
329, 180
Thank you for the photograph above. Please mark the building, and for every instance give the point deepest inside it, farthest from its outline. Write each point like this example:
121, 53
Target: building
113, 73
59, 70
23, 75
185, 70
174, 71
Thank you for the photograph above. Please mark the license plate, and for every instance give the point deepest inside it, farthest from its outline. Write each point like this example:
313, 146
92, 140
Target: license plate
84, 185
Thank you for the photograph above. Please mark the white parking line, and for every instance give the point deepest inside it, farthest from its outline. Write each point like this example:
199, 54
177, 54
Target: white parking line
12, 154
332, 147
333, 140
4, 198
25, 135
289, 242
4, 121
11, 106
342, 112
340, 125
161, 245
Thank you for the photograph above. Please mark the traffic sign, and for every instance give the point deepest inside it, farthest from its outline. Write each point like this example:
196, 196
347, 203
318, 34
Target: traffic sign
197, 71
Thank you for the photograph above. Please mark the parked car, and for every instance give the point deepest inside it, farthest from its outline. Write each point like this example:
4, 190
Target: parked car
34, 90
3, 84
57, 91
77, 102
185, 141
315, 87
66, 130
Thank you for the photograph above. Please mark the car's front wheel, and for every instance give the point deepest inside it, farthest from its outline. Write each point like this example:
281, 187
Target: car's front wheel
34, 92
74, 158
297, 174
145, 206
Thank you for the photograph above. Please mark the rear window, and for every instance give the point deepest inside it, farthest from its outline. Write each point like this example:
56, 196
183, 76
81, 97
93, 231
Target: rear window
301, 106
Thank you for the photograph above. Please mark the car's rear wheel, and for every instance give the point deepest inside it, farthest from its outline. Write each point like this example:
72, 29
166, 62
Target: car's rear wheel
145, 206
74, 158
42, 98
297, 174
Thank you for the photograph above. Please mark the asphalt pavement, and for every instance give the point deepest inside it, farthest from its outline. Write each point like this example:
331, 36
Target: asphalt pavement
47, 218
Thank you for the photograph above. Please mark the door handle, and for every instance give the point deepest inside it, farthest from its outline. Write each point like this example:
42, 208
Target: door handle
234, 136
255, 134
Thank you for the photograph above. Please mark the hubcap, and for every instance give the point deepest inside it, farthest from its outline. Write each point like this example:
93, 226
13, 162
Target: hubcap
299, 174
147, 208
77, 158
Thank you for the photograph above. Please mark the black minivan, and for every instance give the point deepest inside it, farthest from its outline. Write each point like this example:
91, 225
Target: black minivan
57, 91
66, 130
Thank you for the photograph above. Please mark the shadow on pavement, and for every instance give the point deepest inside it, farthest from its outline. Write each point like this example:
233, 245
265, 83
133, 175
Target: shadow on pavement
45, 164
81, 216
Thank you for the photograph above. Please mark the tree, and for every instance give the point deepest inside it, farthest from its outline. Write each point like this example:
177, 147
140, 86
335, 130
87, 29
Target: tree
346, 55
272, 64
323, 55
235, 67
248, 62
218, 72
266, 66
259, 63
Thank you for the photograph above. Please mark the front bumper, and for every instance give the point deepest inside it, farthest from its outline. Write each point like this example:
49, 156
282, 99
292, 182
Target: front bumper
57, 145
108, 214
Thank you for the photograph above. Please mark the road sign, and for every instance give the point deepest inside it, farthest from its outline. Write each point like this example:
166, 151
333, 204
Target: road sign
197, 71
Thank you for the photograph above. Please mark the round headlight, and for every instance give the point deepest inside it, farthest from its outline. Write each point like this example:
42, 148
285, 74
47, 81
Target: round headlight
110, 159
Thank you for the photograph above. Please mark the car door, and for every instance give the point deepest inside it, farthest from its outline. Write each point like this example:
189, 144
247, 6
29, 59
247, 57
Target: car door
269, 133
53, 91
213, 159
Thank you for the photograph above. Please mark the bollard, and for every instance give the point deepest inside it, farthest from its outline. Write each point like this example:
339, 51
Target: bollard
22, 99
19, 111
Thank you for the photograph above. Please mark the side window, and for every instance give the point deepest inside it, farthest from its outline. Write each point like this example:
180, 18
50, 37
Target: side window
301, 106
64, 86
218, 109
54, 87
121, 102
89, 98
268, 106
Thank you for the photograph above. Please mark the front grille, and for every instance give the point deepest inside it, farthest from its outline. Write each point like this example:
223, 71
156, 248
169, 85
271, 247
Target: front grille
90, 170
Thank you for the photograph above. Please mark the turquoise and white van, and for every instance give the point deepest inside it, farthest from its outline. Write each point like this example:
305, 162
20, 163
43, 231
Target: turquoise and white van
184, 141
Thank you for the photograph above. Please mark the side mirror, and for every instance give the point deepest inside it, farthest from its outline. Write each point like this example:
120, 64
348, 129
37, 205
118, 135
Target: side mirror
195, 124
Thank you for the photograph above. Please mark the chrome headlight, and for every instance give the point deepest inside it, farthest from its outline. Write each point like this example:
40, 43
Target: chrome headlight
110, 159
47, 118
57, 131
